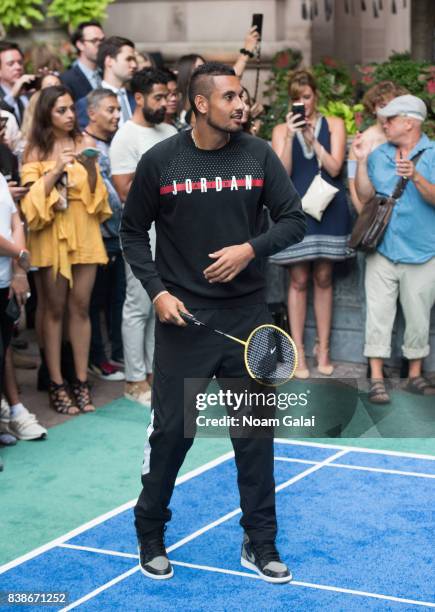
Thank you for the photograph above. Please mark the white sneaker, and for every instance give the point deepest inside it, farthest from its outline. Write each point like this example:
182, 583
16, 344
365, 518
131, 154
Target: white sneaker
26, 427
7, 437
5, 412
138, 392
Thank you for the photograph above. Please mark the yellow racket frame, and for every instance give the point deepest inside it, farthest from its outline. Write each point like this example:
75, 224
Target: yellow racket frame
245, 343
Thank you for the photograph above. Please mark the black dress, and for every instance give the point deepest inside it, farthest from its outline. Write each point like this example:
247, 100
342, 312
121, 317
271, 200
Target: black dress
328, 238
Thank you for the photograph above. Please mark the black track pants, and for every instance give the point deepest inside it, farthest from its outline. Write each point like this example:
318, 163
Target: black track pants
193, 352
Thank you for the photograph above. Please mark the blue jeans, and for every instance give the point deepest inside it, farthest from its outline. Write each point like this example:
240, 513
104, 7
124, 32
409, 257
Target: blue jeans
108, 295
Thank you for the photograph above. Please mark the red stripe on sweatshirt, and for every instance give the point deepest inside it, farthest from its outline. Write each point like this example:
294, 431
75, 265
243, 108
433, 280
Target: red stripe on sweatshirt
226, 184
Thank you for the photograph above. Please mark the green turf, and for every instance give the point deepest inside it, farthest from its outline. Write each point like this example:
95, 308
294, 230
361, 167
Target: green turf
86, 467
91, 464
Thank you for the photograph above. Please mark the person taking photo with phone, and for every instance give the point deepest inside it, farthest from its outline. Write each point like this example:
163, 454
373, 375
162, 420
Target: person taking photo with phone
64, 207
304, 142
14, 83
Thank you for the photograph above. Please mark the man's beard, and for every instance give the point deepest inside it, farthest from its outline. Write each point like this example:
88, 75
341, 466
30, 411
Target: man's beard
154, 117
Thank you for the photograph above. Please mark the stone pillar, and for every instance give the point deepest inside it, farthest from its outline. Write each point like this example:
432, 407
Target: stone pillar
422, 30
357, 36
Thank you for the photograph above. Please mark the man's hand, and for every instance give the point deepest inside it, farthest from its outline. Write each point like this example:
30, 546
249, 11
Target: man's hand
405, 168
168, 309
361, 148
16, 191
229, 262
16, 90
20, 288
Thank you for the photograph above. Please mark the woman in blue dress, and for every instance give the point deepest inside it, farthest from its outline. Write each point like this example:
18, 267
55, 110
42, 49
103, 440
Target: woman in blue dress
301, 145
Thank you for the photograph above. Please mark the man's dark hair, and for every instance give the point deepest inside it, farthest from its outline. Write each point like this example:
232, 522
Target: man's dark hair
78, 32
201, 81
6, 45
110, 48
143, 80
171, 76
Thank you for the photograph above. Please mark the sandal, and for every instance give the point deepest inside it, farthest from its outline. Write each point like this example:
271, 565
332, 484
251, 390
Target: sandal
82, 395
326, 370
301, 373
420, 386
378, 393
60, 399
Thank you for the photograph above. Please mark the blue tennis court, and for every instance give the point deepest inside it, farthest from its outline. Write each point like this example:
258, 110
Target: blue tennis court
356, 527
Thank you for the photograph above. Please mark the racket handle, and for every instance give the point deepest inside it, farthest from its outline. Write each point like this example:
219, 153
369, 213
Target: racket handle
188, 318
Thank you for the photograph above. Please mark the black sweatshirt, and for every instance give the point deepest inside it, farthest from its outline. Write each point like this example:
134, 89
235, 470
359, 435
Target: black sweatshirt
203, 201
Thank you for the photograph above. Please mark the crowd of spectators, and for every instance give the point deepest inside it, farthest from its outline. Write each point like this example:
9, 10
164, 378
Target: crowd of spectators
70, 142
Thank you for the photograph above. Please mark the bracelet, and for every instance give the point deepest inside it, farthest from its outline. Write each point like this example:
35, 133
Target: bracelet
244, 51
20, 275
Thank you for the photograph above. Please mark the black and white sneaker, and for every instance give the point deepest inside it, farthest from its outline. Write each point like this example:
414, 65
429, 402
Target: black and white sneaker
263, 558
153, 559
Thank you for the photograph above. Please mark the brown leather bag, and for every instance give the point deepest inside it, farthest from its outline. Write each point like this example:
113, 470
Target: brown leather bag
373, 220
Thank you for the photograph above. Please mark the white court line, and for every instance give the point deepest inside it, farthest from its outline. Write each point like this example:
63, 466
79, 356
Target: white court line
104, 517
101, 551
199, 532
310, 585
94, 593
107, 515
356, 449
233, 513
220, 570
362, 468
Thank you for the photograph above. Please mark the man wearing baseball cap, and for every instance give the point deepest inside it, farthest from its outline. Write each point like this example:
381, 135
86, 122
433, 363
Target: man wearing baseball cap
403, 266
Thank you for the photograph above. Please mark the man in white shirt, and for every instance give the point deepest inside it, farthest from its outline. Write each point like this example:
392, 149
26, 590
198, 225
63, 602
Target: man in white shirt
145, 129
116, 61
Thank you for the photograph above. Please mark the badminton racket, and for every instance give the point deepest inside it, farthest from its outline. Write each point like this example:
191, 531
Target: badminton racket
270, 354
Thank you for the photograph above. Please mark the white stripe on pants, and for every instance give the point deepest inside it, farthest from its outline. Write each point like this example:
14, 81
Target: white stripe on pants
138, 320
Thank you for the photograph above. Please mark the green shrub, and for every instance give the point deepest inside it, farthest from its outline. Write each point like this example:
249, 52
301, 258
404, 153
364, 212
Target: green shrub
72, 12
417, 77
351, 114
334, 81
276, 94
20, 13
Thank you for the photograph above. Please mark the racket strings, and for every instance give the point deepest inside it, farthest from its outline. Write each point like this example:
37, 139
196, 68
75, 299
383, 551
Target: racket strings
270, 355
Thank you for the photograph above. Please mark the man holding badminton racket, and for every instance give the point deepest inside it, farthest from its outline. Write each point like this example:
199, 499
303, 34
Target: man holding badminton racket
206, 191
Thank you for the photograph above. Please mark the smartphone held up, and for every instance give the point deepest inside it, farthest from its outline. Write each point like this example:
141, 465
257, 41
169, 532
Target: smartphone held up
257, 22
298, 108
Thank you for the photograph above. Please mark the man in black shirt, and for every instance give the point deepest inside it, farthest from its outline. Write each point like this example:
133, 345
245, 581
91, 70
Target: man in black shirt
206, 191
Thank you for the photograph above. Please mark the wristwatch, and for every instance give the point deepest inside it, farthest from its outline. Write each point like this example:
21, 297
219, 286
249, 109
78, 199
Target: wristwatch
23, 260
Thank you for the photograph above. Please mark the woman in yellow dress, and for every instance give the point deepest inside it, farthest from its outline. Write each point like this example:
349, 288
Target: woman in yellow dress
64, 207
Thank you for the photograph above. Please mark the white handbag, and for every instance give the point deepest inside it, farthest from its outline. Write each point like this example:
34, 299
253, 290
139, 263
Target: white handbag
318, 196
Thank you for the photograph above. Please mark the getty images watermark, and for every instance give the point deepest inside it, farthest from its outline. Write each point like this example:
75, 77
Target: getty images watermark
314, 408
239, 402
